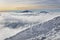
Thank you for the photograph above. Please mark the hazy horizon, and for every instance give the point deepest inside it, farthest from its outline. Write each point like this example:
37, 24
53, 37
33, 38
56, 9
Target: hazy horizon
28, 4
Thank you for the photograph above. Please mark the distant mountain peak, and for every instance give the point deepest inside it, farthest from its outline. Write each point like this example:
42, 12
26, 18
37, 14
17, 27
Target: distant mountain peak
25, 11
43, 12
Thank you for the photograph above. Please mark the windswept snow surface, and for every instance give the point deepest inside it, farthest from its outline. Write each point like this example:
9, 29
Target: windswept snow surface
9, 19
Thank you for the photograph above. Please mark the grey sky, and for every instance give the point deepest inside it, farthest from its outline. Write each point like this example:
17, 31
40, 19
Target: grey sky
44, 2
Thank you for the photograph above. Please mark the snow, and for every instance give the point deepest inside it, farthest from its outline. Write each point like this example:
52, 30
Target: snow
6, 32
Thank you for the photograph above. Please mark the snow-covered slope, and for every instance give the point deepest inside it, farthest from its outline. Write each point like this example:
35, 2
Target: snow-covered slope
38, 30
13, 23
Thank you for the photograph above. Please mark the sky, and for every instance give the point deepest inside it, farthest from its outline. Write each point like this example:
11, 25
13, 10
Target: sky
28, 3
45, 2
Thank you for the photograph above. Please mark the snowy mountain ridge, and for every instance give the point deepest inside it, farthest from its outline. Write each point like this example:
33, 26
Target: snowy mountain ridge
39, 29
